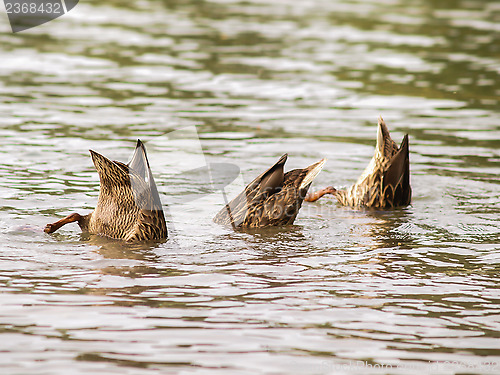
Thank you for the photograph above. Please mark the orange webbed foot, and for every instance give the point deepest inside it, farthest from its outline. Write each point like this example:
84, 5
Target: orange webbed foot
52, 227
313, 197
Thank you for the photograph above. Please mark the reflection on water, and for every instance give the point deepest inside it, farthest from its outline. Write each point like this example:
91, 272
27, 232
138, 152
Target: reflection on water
412, 288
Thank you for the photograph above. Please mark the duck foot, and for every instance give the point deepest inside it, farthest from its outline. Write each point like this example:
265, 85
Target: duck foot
313, 197
51, 228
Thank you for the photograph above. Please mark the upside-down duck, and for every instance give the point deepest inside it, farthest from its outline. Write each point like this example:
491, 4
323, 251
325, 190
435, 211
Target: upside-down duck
128, 207
385, 183
272, 199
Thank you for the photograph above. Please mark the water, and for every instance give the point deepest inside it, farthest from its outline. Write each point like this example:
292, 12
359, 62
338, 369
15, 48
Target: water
342, 291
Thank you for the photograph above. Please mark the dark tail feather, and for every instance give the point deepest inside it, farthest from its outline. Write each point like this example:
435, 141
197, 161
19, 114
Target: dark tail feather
398, 175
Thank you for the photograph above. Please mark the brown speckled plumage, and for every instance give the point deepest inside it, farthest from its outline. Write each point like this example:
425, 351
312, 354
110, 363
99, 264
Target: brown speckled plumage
385, 183
273, 198
128, 207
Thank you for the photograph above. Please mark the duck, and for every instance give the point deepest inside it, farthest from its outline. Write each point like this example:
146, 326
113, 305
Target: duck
274, 198
128, 207
385, 183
